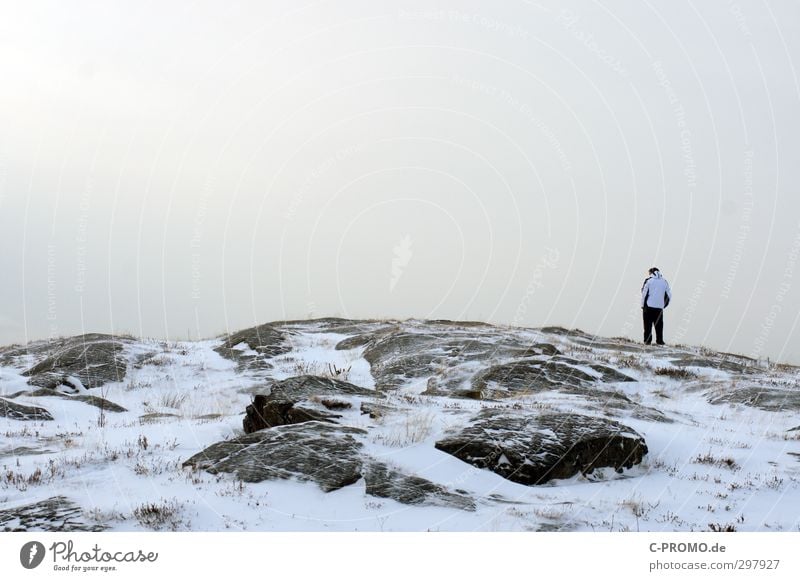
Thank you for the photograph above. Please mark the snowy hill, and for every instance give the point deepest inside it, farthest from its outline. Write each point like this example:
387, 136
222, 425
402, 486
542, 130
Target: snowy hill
394, 425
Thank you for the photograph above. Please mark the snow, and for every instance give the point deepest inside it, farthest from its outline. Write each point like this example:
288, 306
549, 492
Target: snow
315, 354
712, 464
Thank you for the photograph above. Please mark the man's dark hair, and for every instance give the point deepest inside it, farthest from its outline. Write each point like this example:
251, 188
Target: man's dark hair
652, 270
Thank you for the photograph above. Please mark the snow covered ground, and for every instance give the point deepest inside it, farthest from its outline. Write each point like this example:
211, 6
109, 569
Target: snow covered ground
725, 465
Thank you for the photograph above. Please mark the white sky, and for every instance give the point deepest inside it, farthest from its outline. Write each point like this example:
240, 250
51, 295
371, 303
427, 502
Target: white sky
174, 168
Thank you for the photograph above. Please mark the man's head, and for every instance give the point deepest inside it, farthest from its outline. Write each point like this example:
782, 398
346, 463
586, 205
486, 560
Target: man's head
653, 270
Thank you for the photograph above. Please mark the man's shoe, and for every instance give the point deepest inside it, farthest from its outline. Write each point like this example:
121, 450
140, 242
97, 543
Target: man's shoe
660, 343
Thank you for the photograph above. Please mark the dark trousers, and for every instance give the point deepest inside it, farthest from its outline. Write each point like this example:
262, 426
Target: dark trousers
652, 317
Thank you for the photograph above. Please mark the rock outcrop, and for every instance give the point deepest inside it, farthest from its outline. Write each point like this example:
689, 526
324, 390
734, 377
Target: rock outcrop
260, 343
385, 482
324, 453
453, 355
16, 411
462, 417
738, 365
92, 400
267, 412
56, 514
767, 398
93, 360
533, 449
530, 376
329, 455
289, 401
473, 361
303, 387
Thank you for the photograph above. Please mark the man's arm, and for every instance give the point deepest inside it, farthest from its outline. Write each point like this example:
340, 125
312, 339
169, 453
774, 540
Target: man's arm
645, 291
667, 295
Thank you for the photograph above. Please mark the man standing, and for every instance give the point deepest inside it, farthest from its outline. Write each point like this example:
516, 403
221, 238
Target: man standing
656, 295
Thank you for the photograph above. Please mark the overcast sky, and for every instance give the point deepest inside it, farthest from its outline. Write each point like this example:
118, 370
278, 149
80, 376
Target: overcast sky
175, 169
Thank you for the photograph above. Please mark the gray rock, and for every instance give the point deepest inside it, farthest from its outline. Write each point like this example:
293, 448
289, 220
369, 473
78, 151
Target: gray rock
16, 355
615, 345
545, 349
618, 403
714, 362
327, 454
533, 449
266, 340
141, 359
56, 514
398, 343
451, 324
771, 399
14, 451
361, 340
385, 482
305, 386
92, 400
283, 404
526, 377
609, 374
94, 359
404, 355
99, 402
336, 325
267, 412
552, 330
16, 411
460, 360
371, 333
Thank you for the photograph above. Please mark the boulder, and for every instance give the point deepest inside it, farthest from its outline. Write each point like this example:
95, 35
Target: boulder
288, 401
525, 377
554, 330
714, 362
770, 399
327, 454
16, 451
459, 360
369, 327
17, 356
16, 411
385, 482
531, 376
265, 340
92, 359
454, 355
609, 374
266, 412
533, 449
92, 400
305, 386
354, 342
545, 349
55, 514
